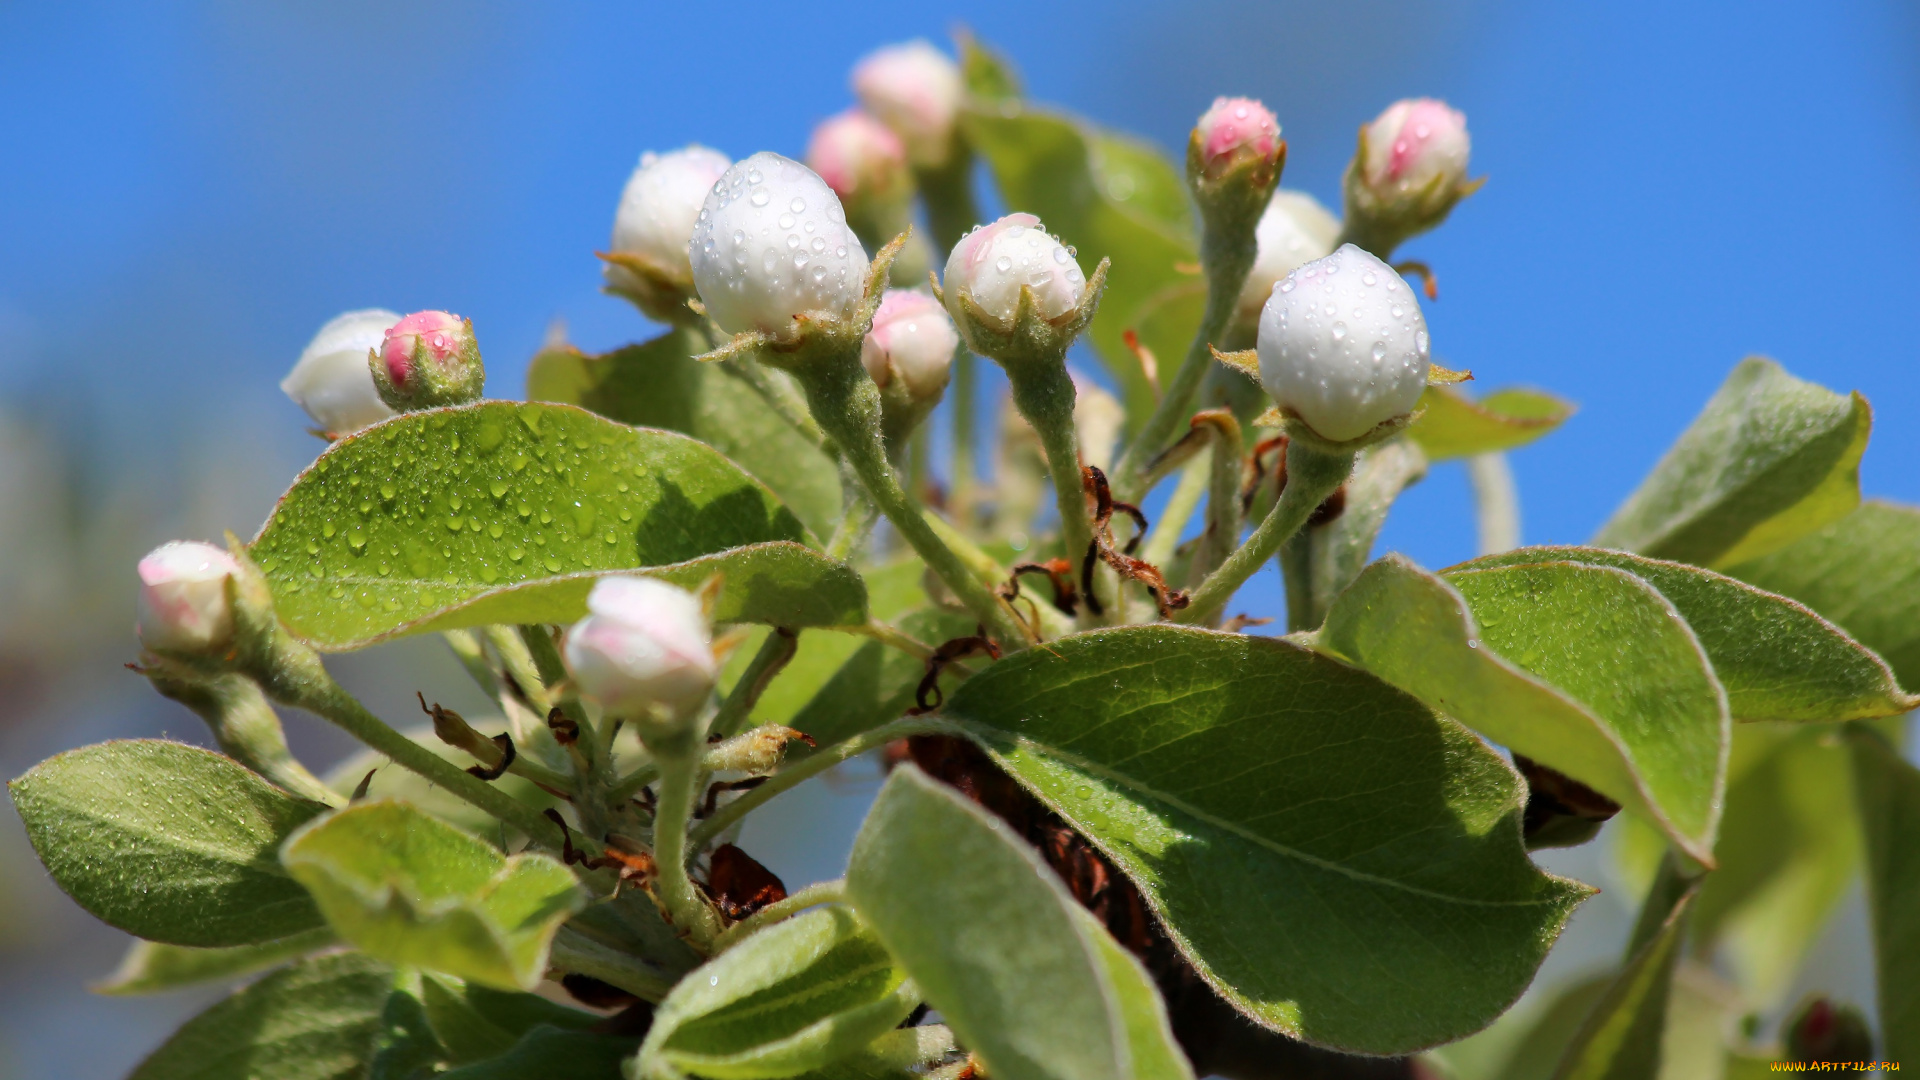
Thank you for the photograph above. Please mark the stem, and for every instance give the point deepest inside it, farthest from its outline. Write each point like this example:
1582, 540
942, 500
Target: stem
857, 515
679, 779
473, 657
964, 392
1496, 501
1296, 569
811, 765
1312, 475
947, 190
629, 785
519, 665
775, 653
552, 671
1165, 536
244, 724
576, 952
1044, 394
1223, 501
820, 892
847, 404
887, 635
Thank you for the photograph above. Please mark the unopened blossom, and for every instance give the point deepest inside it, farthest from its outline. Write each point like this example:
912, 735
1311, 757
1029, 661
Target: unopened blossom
1413, 144
644, 645
912, 341
657, 212
184, 605
990, 264
1343, 345
428, 359
1236, 130
859, 157
331, 380
916, 90
1294, 230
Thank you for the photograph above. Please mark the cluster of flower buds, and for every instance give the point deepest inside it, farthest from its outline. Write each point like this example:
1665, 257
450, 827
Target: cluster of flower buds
184, 604
648, 261
644, 651
1409, 173
915, 90
331, 380
909, 354
770, 244
1343, 346
427, 360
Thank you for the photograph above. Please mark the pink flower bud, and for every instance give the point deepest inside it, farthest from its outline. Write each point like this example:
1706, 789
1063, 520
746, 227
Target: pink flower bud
429, 359
990, 264
915, 90
859, 157
913, 339
424, 336
1235, 130
331, 381
1411, 144
644, 643
183, 597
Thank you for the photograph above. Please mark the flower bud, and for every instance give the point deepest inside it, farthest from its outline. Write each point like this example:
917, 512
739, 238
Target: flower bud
331, 380
1343, 345
1824, 1032
771, 242
643, 644
860, 158
1294, 230
183, 597
1409, 173
426, 360
990, 264
1233, 131
911, 344
915, 90
648, 261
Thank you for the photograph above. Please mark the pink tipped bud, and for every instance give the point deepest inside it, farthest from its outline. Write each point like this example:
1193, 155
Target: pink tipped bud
331, 381
1236, 130
912, 341
859, 157
183, 597
915, 90
990, 264
1414, 142
429, 359
644, 644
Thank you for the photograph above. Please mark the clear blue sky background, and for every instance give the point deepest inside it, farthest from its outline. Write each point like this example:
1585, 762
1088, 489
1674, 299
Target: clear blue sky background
188, 190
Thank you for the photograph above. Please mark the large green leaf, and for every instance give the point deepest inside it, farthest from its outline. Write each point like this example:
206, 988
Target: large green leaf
1770, 459
1862, 572
1777, 659
552, 1053
167, 842
409, 888
151, 968
1888, 788
1338, 861
507, 512
316, 1020
1621, 1038
796, 996
1028, 982
1109, 197
658, 384
475, 1022
1584, 669
1453, 425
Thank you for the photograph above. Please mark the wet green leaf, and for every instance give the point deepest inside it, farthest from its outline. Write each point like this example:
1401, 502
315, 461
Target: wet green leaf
1862, 572
1621, 1038
1028, 982
797, 996
658, 384
1455, 425
411, 889
168, 842
1584, 669
504, 512
1293, 821
1770, 459
1888, 788
152, 968
316, 1020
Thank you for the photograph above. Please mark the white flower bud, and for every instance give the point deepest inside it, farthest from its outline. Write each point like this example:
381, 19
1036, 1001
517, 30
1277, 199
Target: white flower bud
331, 380
644, 643
1413, 143
183, 596
1294, 231
658, 208
915, 90
859, 158
990, 264
1343, 345
771, 242
913, 340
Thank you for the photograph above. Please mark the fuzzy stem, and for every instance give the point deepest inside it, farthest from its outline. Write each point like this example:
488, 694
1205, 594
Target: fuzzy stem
467, 649
244, 724
1496, 501
574, 951
1296, 569
1223, 501
1312, 475
965, 391
766, 665
820, 892
1165, 537
1044, 394
552, 671
692, 916
517, 660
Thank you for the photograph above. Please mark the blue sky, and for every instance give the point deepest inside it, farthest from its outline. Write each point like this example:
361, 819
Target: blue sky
189, 190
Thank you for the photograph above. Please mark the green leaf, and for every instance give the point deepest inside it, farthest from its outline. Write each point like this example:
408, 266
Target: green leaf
1770, 459
658, 384
1109, 197
796, 996
476, 1022
1862, 572
1454, 425
411, 889
1584, 669
316, 1020
151, 968
1777, 659
507, 512
167, 842
997, 944
552, 1053
1888, 788
1287, 854
1621, 1038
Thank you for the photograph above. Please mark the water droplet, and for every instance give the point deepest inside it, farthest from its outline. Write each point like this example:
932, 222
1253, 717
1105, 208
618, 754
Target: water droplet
1379, 350
454, 500
388, 491
759, 197
1003, 264
1339, 331
1369, 278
